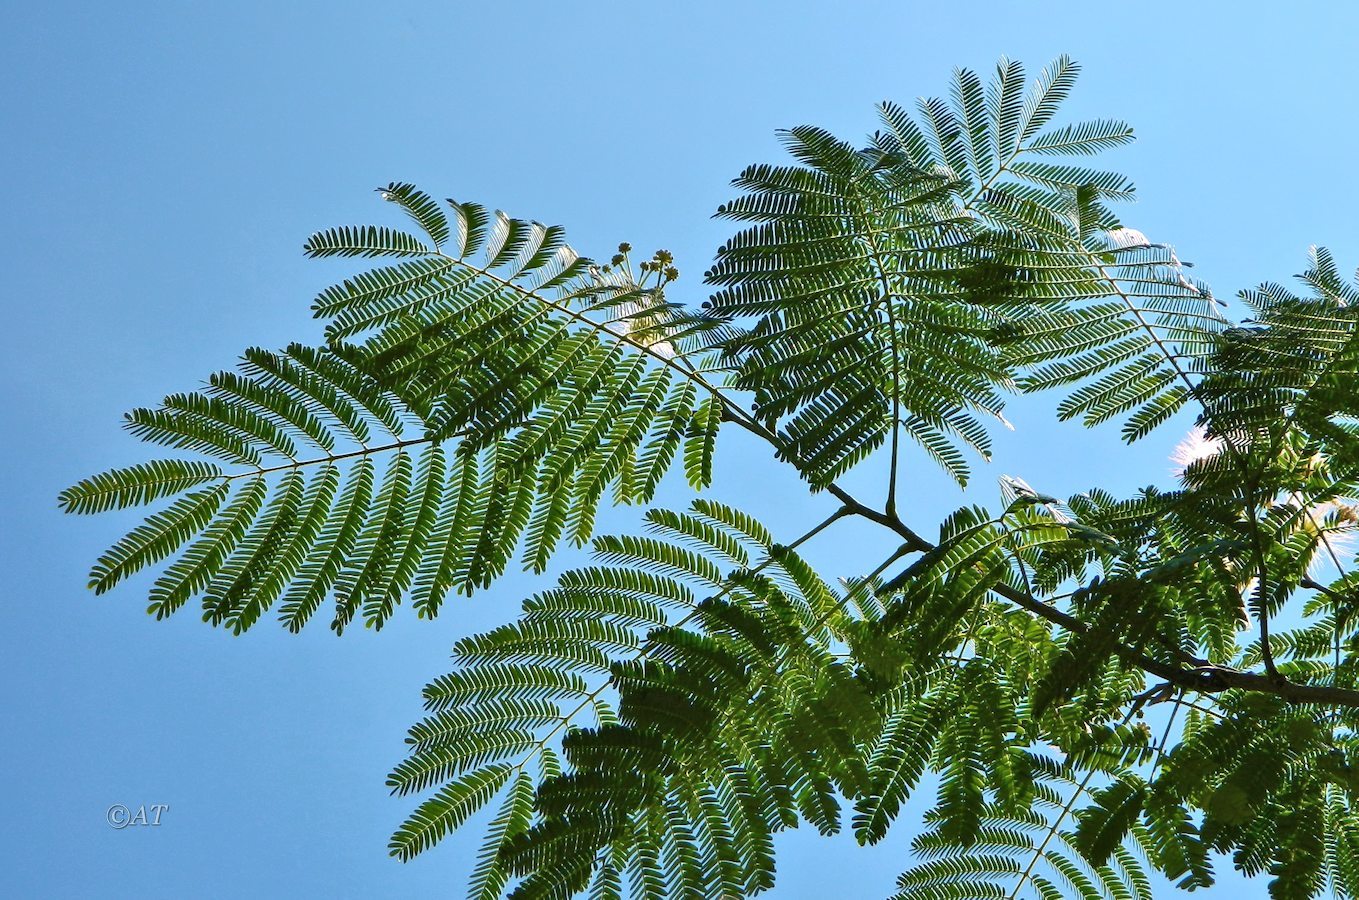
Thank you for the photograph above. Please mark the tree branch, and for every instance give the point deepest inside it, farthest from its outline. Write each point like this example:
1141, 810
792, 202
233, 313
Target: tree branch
1187, 671
1190, 672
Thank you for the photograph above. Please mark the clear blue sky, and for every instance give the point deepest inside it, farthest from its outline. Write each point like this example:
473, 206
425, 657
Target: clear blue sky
163, 164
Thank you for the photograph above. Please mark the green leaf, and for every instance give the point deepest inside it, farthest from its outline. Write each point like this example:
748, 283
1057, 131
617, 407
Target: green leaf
446, 810
136, 485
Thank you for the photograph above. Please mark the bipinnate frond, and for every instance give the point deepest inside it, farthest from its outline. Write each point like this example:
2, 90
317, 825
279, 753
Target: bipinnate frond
636, 669
468, 407
903, 288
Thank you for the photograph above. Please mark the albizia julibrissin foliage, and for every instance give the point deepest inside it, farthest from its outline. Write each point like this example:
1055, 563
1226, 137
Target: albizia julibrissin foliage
647, 725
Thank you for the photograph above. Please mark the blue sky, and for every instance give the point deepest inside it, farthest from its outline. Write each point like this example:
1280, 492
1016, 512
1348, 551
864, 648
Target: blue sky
164, 163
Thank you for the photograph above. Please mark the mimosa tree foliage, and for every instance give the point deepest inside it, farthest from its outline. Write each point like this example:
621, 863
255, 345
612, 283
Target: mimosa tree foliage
647, 725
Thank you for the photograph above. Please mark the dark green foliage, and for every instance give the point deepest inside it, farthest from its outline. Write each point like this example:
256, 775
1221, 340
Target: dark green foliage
1089, 688
490, 406
904, 286
1028, 853
668, 682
